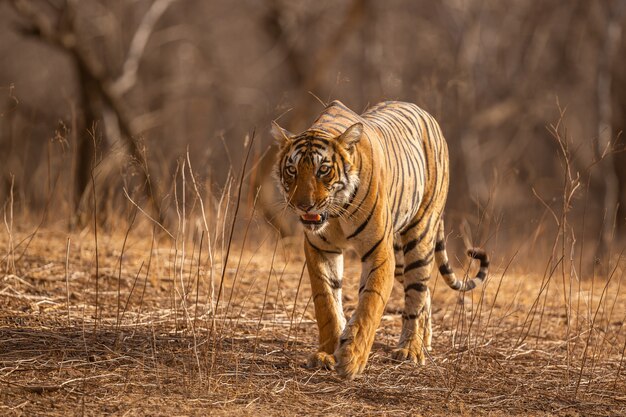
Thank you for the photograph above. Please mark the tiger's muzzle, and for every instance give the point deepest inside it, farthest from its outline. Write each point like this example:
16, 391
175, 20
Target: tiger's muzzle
314, 221
313, 218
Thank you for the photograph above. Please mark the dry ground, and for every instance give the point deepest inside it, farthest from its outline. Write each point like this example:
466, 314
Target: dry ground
141, 340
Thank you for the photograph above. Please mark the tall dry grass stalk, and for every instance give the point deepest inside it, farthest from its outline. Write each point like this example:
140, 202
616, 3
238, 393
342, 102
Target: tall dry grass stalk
95, 228
8, 224
67, 280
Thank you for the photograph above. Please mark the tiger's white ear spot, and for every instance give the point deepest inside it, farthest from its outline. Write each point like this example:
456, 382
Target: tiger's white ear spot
281, 136
351, 136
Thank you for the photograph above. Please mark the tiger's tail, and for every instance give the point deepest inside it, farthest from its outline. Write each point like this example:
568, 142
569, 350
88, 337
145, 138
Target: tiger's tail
441, 257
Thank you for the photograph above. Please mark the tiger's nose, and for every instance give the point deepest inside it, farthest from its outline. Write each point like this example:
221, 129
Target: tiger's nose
305, 206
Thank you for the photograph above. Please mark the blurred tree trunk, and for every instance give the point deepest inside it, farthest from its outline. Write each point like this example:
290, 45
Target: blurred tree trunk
7, 113
611, 100
97, 87
86, 144
618, 119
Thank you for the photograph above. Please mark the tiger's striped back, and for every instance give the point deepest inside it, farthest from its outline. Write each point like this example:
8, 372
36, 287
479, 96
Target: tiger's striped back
416, 159
417, 167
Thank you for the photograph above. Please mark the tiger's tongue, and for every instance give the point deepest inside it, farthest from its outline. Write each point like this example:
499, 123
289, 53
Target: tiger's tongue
311, 217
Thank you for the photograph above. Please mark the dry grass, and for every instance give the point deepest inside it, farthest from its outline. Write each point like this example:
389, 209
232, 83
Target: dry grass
128, 317
153, 347
212, 314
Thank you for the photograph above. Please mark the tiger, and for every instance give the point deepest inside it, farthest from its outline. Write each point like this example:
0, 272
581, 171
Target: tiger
376, 183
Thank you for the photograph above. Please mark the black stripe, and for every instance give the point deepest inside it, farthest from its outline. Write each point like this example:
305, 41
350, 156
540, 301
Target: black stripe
410, 246
415, 199
416, 286
375, 268
336, 116
375, 292
323, 238
445, 269
413, 172
440, 245
371, 177
424, 142
481, 275
456, 285
335, 283
340, 127
320, 249
364, 224
310, 136
424, 232
403, 118
369, 252
395, 163
420, 263
481, 255
300, 147
385, 235
338, 168
356, 189
317, 146
412, 225
395, 207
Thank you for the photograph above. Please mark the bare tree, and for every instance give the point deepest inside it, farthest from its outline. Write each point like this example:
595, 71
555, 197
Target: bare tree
98, 89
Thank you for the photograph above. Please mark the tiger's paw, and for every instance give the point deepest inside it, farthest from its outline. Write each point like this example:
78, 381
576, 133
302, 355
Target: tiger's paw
321, 360
410, 354
351, 358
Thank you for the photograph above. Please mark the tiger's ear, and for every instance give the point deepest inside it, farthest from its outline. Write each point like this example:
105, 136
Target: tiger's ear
351, 136
281, 136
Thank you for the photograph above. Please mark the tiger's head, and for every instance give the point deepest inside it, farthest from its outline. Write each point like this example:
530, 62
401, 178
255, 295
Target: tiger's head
316, 172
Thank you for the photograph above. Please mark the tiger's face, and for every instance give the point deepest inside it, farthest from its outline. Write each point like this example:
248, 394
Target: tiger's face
317, 174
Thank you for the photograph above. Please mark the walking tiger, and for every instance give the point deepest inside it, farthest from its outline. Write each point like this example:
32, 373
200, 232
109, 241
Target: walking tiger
376, 182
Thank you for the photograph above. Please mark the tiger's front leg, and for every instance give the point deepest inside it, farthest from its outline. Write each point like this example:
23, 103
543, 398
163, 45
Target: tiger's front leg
374, 291
325, 273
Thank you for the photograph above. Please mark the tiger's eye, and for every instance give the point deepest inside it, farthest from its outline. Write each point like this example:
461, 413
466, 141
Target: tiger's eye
291, 170
323, 170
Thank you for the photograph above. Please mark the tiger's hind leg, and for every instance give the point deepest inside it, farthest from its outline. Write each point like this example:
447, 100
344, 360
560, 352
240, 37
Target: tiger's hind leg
418, 252
399, 276
399, 257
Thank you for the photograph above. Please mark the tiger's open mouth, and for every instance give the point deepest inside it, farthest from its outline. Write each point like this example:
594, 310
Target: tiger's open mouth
314, 219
